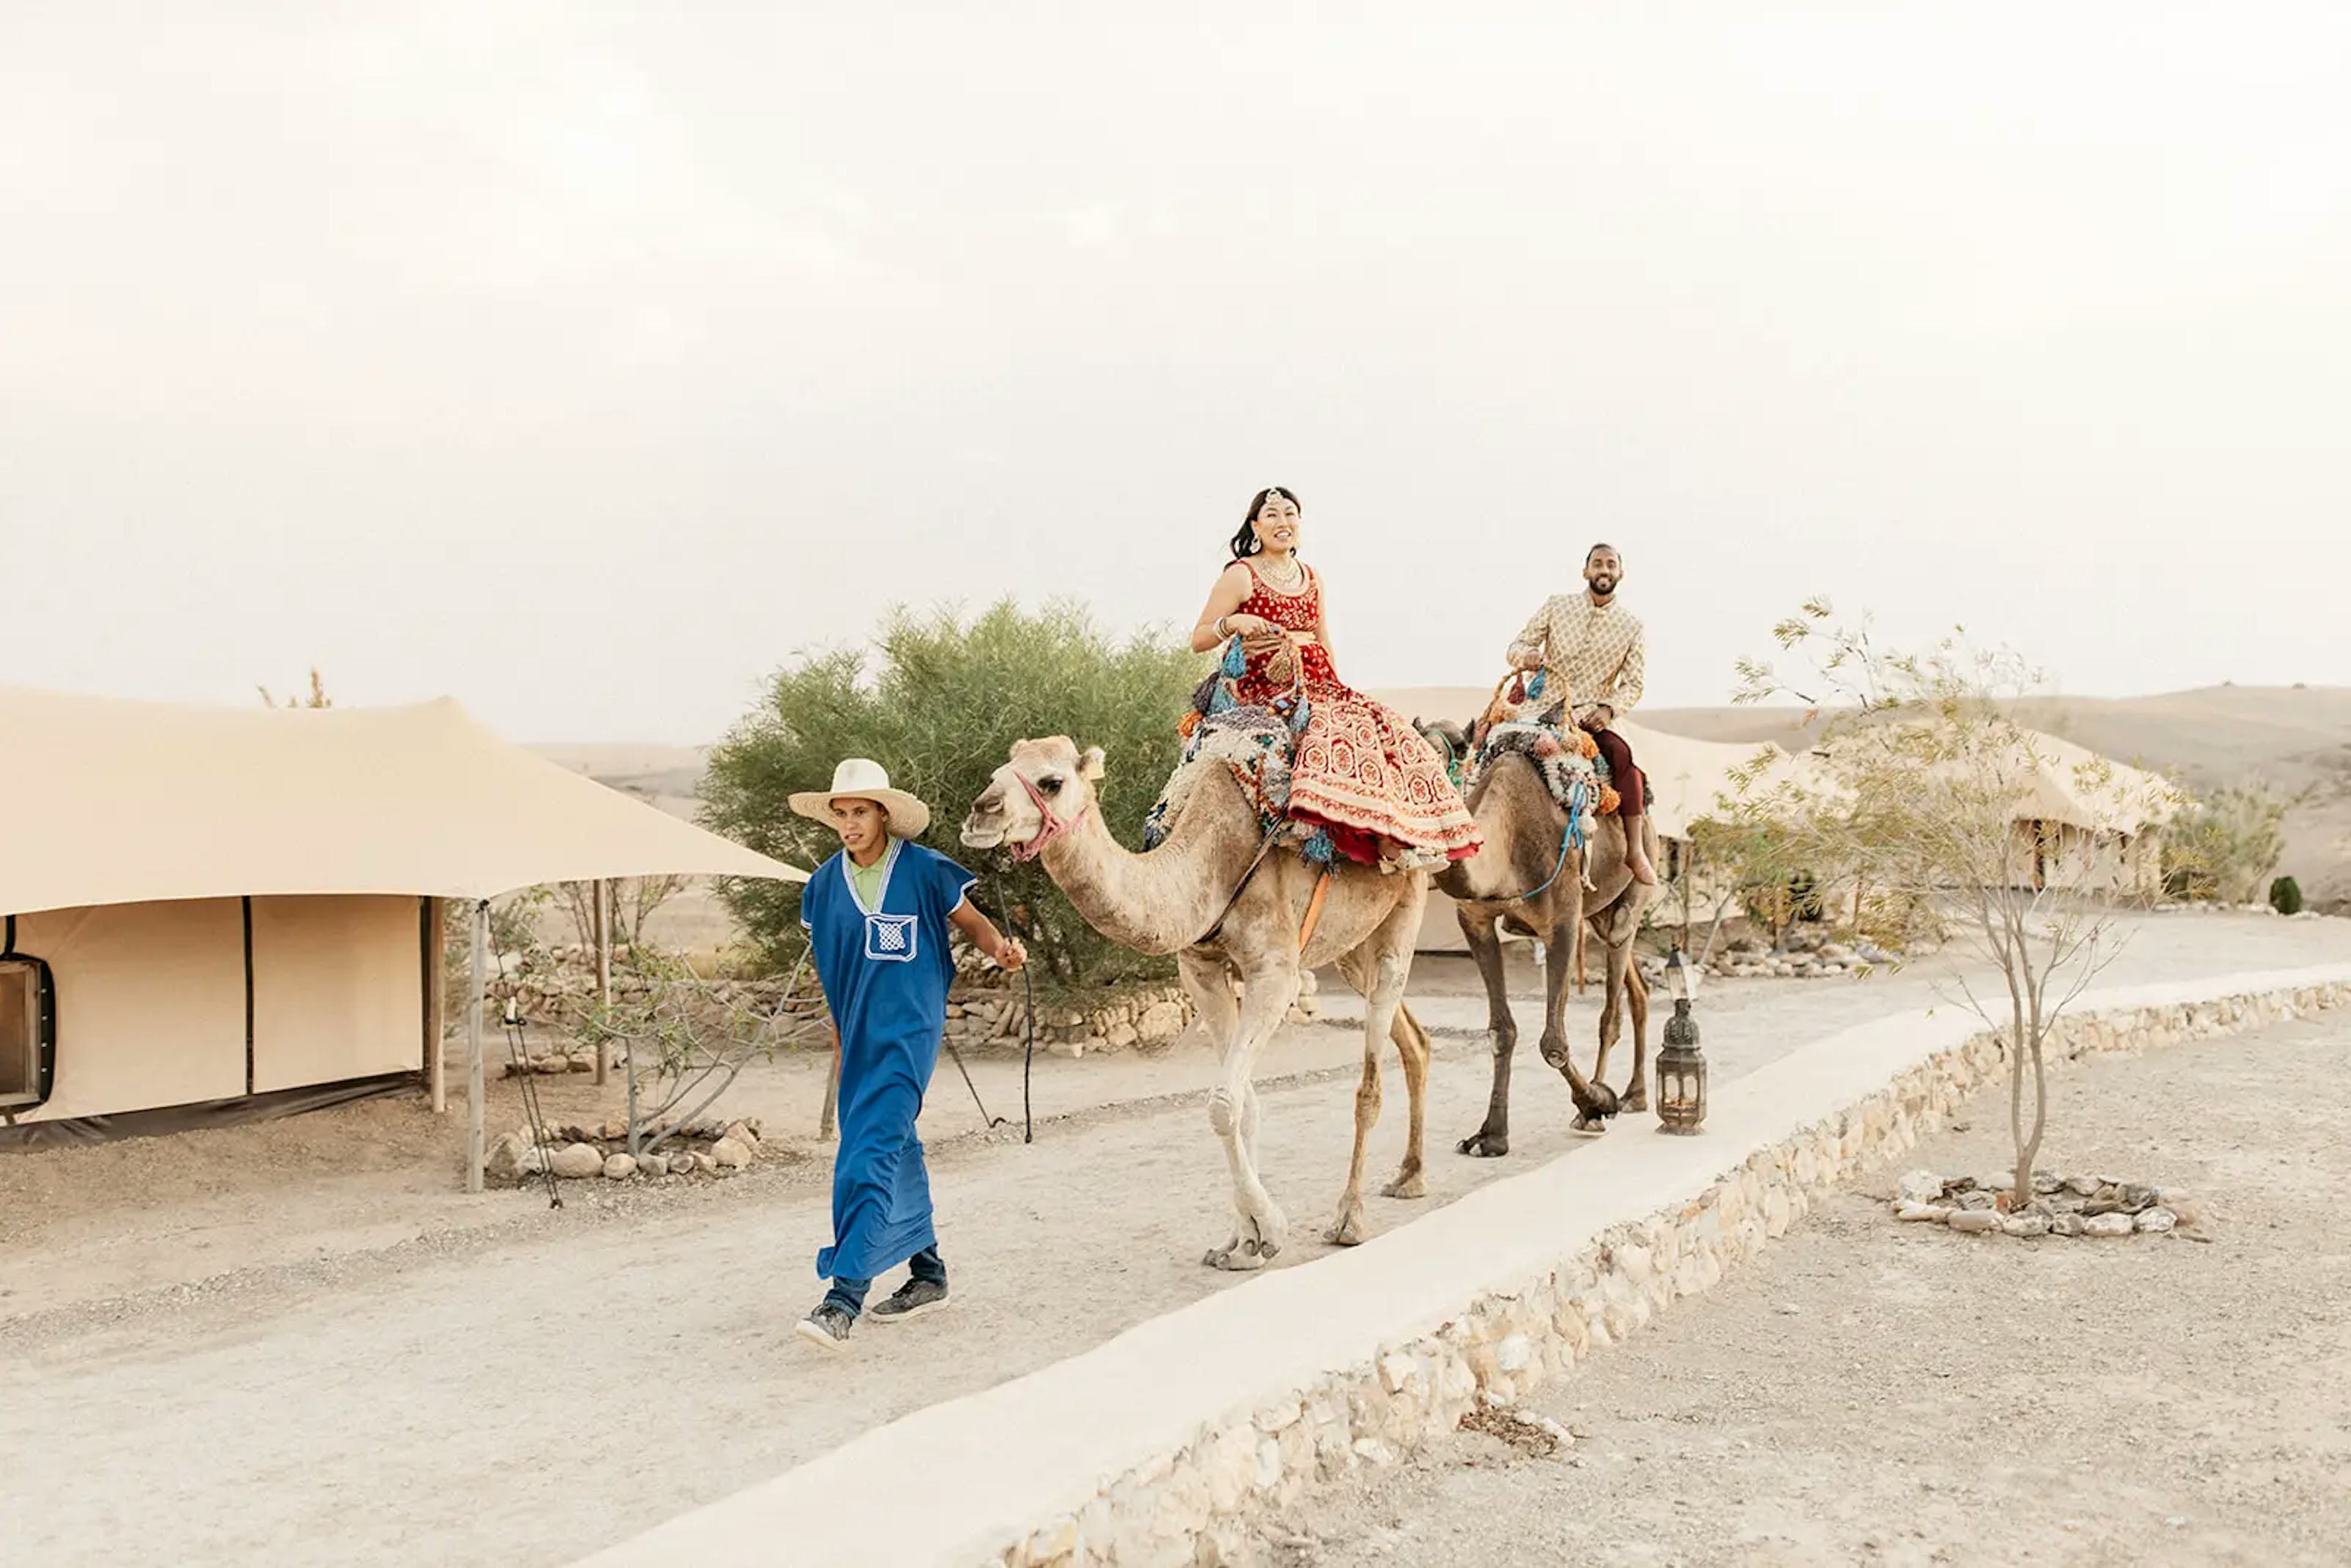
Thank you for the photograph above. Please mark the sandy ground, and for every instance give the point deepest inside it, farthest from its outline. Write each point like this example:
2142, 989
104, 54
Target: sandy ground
1874, 1393
298, 1343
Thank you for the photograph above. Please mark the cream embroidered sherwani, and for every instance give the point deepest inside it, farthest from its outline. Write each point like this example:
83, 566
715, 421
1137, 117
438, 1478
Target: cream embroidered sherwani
1591, 652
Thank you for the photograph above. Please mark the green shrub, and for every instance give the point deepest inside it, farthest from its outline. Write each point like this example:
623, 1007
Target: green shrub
938, 701
2224, 847
2285, 895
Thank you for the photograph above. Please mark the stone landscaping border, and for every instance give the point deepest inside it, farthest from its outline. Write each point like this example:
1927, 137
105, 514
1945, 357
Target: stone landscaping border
1150, 1449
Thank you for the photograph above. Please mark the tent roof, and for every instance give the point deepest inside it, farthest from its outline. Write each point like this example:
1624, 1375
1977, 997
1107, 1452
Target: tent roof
107, 801
1686, 775
2060, 782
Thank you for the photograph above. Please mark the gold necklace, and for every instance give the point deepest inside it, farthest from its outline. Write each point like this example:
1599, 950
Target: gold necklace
1292, 583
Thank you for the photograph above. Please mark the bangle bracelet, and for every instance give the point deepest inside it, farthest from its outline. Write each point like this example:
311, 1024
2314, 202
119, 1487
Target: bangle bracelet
1220, 627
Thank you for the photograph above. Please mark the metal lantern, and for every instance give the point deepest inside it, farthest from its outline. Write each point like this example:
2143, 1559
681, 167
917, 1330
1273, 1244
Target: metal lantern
1681, 1070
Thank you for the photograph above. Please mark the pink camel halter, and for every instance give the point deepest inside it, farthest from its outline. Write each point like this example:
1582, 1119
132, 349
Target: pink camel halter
1053, 827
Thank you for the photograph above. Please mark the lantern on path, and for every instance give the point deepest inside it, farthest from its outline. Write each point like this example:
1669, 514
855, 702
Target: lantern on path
1681, 1070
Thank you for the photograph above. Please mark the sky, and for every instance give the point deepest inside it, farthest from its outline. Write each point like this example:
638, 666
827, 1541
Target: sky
589, 361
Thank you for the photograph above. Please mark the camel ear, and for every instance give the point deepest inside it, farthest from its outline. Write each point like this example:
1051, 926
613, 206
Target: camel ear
1090, 765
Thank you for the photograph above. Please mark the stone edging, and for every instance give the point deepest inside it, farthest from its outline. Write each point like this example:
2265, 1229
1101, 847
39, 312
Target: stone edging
1151, 1450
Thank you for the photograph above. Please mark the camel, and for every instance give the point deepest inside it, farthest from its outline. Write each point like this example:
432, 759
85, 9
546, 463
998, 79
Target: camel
1213, 895
1519, 880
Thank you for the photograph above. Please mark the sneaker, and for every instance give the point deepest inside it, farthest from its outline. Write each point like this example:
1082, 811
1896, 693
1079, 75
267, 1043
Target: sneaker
912, 1300
827, 1328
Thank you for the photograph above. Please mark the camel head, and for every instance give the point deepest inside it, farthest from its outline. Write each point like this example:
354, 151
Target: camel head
1047, 787
1449, 738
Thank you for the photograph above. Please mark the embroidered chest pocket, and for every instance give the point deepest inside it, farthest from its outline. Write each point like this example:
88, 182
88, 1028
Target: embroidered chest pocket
890, 938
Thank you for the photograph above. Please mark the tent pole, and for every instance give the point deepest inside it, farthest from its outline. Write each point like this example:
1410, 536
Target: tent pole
602, 926
478, 987
436, 1003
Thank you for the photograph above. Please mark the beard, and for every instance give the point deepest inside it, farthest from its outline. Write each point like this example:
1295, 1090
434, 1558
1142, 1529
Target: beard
1602, 584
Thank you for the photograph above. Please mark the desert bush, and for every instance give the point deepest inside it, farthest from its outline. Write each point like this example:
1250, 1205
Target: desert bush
2224, 847
938, 700
2285, 895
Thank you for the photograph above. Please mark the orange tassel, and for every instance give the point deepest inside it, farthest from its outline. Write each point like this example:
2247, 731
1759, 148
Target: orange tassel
1609, 802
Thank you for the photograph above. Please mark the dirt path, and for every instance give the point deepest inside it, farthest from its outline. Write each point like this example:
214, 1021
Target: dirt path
1885, 1394
215, 1350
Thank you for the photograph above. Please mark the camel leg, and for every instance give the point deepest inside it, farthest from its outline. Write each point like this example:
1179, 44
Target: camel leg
1594, 1103
1260, 1229
1636, 995
1617, 927
1492, 1139
1411, 1045
1377, 970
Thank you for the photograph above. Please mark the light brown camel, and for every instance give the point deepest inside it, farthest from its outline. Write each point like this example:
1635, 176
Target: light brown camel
1170, 900
1520, 882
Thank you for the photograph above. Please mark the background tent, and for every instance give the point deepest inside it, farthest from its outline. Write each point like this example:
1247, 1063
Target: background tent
207, 905
1687, 776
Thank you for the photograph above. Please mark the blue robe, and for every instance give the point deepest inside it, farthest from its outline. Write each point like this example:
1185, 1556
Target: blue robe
885, 973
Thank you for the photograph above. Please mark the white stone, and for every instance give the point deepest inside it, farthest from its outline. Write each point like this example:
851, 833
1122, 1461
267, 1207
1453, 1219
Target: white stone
2158, 1221
1975, 1220
2027, 1225
1919, 1186
2108, 1225
1515, 1353
504, 1161
1397, 1372
578, 1160
1371, 1450
731, 1154
619, 1167
1922, 1213
653, 1164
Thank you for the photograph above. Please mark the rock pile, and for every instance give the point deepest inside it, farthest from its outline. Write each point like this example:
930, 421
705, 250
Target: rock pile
707, 1148
1806, 958
2061, 1205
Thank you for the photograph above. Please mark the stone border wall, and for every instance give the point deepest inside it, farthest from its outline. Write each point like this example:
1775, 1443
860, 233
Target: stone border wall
996, 1014
1152, 1451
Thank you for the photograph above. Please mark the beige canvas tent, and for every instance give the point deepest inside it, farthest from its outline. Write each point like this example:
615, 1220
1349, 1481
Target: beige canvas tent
204, 906
2081, 823
1686, 777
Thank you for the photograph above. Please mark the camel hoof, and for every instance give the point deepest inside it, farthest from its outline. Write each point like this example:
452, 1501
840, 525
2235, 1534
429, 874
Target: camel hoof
1412, 1185
1604, 1101
1237, 1257
1348, 1232
1587, 1126
1634, 1101
1485, 1146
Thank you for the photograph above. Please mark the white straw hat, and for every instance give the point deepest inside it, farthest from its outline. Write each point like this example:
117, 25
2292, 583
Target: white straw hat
861, 780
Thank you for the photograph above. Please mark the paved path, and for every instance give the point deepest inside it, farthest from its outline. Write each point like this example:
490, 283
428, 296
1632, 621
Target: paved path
523, 1392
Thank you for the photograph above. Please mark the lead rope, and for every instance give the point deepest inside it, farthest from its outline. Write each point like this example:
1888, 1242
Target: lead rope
510, 1022
1028, 1052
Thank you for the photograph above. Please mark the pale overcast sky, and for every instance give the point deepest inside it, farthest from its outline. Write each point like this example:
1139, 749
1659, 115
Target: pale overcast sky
585, 361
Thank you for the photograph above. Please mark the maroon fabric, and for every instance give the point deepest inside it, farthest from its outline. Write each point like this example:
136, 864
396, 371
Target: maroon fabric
1632, 788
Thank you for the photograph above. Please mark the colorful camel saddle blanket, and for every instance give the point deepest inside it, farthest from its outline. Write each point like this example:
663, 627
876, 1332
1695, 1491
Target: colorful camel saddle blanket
1257, 743
1569, 763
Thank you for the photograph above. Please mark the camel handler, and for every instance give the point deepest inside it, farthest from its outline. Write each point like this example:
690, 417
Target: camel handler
1592, 649
877, 915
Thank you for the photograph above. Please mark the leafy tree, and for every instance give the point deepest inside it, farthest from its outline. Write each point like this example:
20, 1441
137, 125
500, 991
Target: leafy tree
938, 700
1917, 788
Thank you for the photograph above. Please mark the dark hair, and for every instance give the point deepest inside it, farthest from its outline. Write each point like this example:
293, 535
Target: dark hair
1603, 545
1244, 543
